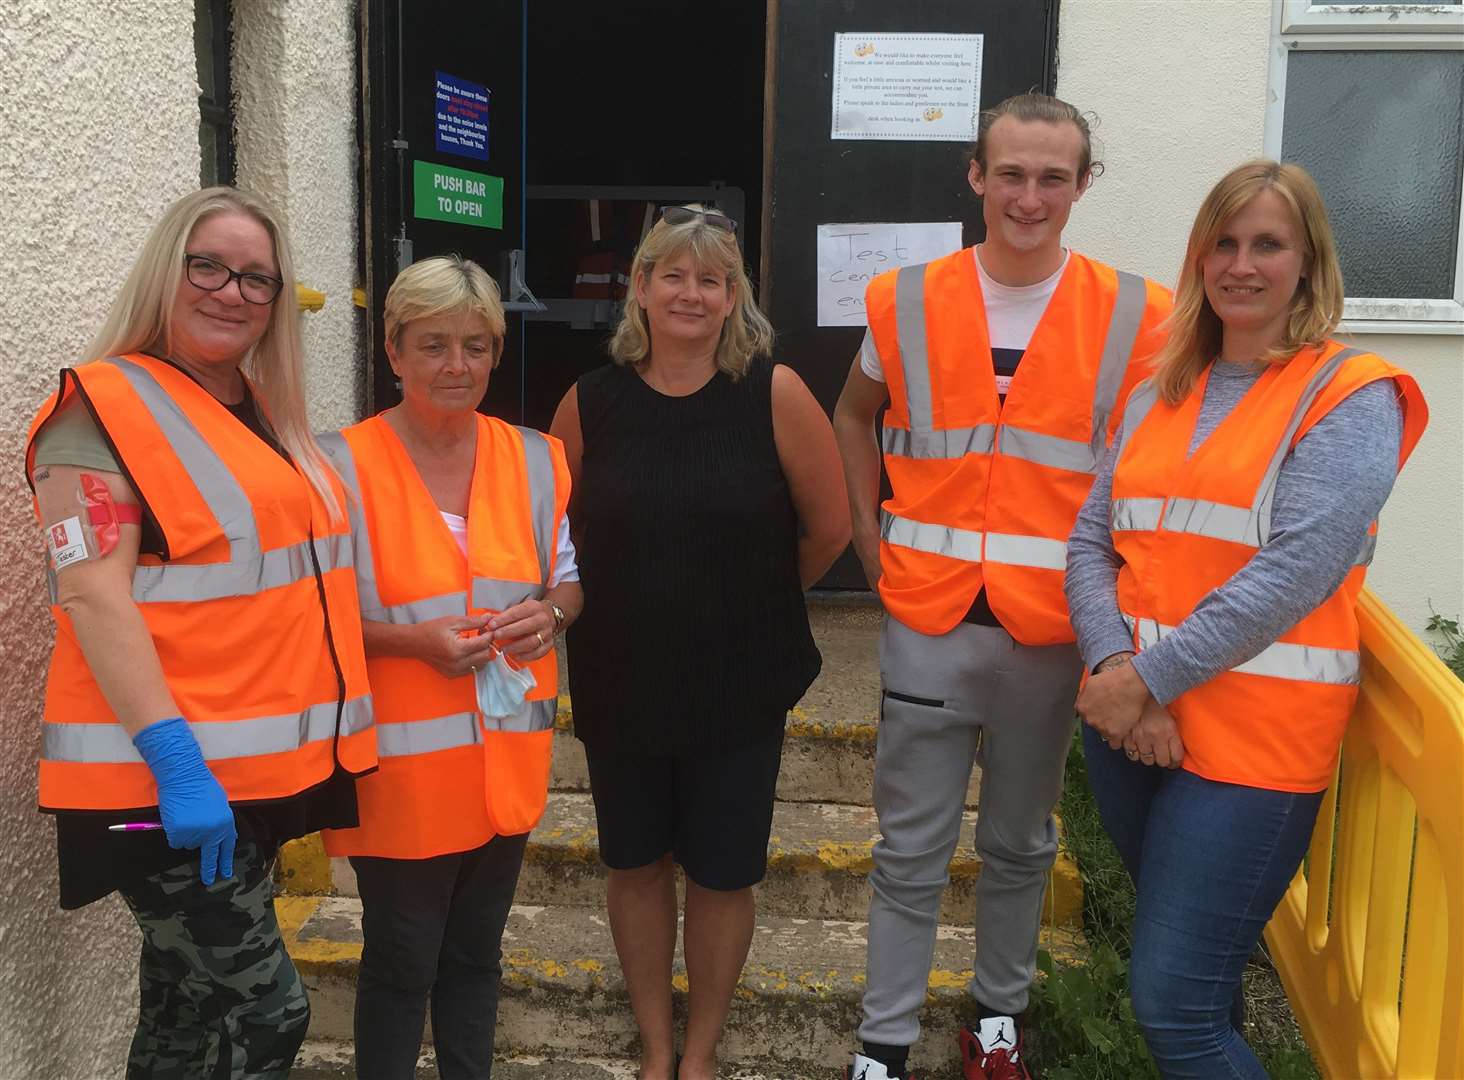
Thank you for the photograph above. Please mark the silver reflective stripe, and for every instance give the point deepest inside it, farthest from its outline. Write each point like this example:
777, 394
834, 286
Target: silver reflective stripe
1250, 525
420, 611
1118, 349
953, 443
1141, 400
1035, 551
1058, 453
1218, 521
226, 499
427, 736
180, 582
914, 350
1266, 495
1279, 660
1140, 514
1366, 552
457, 729
493, 595
540, 467
534, 716
108, 743
339, 451
934, 539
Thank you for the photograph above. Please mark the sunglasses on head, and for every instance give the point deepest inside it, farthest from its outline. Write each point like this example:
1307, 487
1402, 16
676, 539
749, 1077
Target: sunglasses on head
680, 215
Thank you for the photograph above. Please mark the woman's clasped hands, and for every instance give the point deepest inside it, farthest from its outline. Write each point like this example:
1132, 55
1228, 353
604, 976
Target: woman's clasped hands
1117, 704
457, 645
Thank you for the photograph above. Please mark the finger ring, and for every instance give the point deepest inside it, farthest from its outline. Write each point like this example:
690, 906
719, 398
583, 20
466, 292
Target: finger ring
1133, 755
540, 638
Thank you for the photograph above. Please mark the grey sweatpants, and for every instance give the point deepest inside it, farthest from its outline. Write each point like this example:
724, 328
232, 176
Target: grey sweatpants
947, 699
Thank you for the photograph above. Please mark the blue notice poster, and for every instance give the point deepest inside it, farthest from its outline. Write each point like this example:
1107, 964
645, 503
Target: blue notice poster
462, 117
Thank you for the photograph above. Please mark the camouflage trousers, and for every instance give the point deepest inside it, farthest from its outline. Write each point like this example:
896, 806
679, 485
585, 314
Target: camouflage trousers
220, 997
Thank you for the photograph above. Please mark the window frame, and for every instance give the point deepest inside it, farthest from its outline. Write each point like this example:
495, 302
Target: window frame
216, 103
1298, 25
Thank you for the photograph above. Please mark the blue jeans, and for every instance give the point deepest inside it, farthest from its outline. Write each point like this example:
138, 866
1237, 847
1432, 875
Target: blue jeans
1210, 862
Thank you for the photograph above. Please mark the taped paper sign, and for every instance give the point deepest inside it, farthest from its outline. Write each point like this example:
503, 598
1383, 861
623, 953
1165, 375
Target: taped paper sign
911, 87
851, 256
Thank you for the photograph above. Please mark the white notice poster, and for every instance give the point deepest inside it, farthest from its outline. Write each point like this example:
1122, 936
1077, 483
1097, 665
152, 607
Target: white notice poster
907, 86
851, 256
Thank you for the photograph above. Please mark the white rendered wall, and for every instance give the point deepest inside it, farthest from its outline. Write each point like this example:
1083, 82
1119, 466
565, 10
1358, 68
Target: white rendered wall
294, 86
1180, 92
98, 133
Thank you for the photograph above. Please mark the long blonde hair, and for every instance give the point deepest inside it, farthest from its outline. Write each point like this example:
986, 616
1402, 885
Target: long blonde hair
1194, 330
141, 320
746, 333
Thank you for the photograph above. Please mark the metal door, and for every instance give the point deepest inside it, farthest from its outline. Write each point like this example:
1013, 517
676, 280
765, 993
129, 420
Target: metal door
816, 179
442, 159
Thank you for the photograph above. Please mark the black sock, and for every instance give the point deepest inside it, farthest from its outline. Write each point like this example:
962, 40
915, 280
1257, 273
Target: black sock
986, 1012
891, 1057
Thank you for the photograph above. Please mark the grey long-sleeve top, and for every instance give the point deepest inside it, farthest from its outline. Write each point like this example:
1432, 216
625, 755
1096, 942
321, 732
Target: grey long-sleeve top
1331, 486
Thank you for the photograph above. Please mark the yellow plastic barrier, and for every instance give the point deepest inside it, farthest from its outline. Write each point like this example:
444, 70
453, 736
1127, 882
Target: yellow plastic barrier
1369, 939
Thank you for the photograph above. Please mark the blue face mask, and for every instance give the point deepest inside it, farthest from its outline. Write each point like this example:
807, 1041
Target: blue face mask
502, 688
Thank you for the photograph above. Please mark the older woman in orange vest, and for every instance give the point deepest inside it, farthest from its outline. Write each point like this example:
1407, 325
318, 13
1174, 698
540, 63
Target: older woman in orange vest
466, 573
207, 694
1213, 576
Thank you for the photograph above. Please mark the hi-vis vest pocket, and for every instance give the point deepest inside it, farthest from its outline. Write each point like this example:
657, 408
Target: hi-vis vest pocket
516, 766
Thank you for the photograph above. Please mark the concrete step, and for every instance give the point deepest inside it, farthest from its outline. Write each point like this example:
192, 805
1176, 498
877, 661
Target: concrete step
796, 1004
321, 1059
819, 858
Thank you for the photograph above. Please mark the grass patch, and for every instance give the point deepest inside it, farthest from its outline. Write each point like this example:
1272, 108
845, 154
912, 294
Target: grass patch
1451, 641
1084, 1017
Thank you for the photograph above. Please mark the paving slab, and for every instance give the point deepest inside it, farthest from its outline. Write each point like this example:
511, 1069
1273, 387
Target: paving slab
796, 1002
320, 1059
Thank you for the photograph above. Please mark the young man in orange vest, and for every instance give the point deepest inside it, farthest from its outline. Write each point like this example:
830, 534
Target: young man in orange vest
1005, 368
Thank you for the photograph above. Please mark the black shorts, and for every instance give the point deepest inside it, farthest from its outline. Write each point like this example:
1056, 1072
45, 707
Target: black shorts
712, 811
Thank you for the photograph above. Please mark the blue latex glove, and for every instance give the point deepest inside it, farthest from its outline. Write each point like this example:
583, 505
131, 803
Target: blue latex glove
193, 806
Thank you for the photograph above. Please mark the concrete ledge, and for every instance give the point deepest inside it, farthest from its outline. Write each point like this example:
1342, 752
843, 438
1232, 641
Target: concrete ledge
796, 1003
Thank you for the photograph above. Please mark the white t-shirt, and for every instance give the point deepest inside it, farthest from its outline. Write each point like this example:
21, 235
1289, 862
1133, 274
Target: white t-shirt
565, 567
1012, 314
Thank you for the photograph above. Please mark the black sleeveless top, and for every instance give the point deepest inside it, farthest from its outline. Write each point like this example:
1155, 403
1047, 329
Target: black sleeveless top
694, 632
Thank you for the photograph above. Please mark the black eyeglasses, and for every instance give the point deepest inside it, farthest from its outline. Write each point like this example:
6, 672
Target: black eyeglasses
680, 215
210, 275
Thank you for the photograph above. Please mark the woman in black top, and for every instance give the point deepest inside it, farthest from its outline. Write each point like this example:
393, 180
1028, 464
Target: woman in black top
708, 495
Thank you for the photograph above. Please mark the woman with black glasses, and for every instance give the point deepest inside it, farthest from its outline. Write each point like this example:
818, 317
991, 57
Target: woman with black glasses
707, 495
207, 693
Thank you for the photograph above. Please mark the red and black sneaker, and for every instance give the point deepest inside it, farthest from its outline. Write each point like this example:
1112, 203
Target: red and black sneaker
993, 1050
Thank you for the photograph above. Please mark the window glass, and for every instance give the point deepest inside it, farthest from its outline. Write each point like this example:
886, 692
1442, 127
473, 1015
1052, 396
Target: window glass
215, 109
1381, 131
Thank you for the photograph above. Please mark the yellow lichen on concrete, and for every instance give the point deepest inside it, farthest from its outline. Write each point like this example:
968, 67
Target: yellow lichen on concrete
291, 913
948, 980
679, 982
303, 867
594, 967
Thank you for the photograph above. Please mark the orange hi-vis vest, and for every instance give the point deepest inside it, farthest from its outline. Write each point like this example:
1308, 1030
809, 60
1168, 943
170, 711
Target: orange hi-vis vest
450, 779
986, 492
252, 608
1184, 524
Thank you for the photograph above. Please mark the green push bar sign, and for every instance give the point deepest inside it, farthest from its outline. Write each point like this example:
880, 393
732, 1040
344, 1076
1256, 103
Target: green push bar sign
443, 193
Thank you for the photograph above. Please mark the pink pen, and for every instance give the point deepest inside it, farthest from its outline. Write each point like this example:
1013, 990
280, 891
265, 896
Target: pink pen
135, 826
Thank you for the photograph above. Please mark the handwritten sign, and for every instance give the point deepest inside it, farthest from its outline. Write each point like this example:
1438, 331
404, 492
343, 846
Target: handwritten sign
851, 256
912, 87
